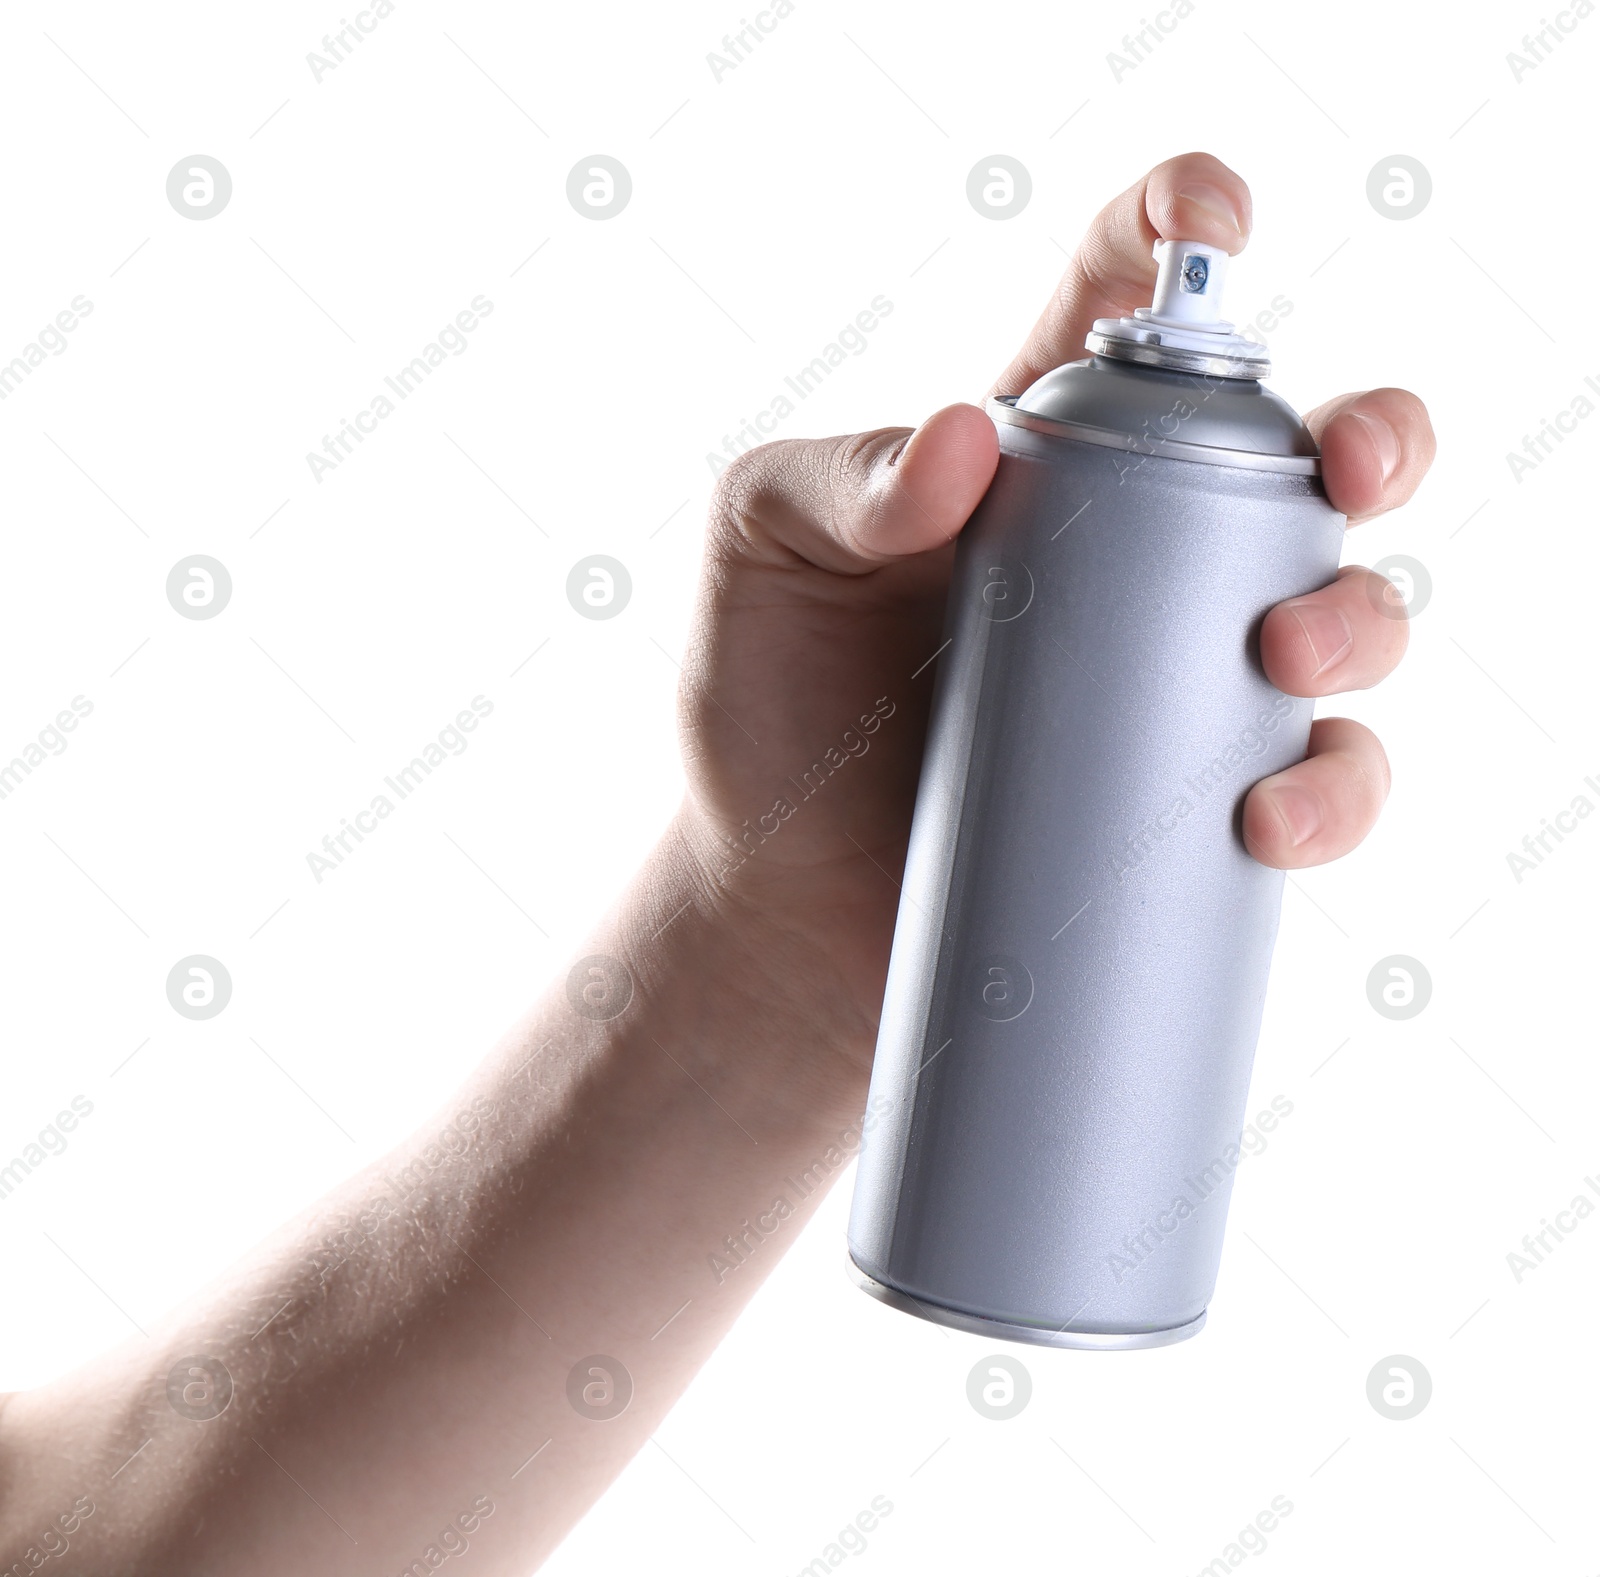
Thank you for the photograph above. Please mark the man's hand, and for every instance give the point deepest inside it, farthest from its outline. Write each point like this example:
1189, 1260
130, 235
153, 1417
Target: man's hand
828, 563
616, 1179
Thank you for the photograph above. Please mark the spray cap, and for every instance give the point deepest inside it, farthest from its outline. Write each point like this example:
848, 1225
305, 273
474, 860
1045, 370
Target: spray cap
1183, 330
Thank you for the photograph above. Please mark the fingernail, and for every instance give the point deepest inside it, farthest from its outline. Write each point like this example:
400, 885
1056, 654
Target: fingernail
1383, 440
1301, 811
1216, 202
1327, 632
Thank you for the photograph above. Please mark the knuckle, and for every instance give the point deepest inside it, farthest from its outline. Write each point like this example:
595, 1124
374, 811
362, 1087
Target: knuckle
742, 480
1101, 271
851, 462
742, 494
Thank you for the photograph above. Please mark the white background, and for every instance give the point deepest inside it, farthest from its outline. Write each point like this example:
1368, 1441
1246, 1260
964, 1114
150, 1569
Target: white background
767, 210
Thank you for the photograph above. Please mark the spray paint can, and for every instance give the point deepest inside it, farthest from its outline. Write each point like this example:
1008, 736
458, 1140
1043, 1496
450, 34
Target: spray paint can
1083, 941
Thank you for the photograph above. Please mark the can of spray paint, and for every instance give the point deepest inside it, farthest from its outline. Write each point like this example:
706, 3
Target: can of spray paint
1083, 940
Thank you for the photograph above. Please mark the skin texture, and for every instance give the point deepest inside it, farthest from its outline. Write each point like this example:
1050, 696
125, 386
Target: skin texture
609, 1183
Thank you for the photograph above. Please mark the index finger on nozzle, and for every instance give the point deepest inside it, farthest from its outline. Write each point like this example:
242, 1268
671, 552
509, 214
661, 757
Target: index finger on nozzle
1194, 197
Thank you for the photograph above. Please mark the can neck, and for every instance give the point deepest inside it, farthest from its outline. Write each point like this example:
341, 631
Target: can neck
1147, 406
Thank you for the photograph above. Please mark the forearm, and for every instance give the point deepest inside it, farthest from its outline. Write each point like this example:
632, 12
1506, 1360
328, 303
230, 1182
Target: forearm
404, 1352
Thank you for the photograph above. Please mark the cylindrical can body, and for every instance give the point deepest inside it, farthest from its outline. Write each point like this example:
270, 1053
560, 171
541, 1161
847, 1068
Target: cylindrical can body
1083, 941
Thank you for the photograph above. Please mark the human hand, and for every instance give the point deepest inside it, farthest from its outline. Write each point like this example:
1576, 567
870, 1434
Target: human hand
822, 603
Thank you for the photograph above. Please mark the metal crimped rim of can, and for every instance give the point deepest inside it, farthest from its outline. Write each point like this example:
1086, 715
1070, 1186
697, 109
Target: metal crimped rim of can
1001, 408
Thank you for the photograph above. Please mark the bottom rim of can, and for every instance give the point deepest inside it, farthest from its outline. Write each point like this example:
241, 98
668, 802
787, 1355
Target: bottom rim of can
1033, 1336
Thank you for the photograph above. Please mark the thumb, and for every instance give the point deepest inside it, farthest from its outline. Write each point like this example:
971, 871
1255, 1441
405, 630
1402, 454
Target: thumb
854, 503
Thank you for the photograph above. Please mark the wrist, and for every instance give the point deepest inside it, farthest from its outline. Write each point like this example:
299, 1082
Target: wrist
737, 973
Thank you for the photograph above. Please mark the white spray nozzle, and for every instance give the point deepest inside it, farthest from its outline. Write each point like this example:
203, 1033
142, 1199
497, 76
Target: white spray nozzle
1183, 329
1189, 281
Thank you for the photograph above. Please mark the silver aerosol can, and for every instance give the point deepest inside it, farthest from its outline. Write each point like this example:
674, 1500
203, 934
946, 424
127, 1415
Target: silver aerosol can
1083, 940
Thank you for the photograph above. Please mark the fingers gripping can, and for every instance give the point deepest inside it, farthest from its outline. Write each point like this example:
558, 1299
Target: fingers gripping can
1083, 941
